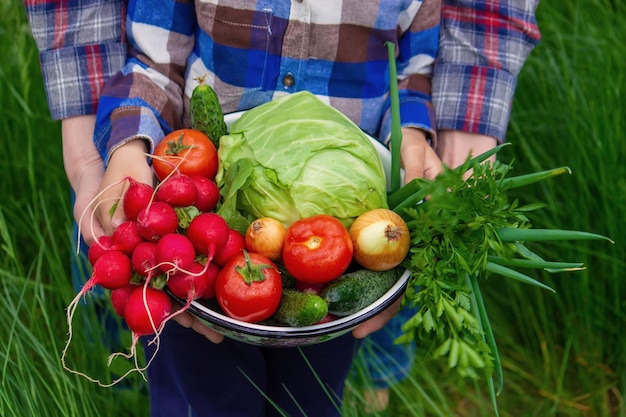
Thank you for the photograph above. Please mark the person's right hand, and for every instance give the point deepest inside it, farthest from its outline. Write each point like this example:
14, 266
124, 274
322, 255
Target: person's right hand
84, 171
127, 161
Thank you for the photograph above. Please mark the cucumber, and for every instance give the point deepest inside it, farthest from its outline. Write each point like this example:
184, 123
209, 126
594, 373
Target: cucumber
299, 309
356, 290
206, 112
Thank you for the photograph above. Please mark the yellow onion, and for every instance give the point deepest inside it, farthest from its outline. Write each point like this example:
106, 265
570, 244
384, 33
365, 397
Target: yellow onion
381, 239
266, 235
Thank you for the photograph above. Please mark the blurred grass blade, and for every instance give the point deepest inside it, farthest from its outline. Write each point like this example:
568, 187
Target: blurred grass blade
527, 179
511, 234
495, 388
537, 264
518, 276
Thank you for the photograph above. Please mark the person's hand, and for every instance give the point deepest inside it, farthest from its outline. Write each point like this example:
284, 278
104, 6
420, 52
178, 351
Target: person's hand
419, 160
84, 171
128, 161
191, 322
453, 146
377, 322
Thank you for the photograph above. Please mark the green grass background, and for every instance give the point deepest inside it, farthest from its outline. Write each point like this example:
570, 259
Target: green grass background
564, 354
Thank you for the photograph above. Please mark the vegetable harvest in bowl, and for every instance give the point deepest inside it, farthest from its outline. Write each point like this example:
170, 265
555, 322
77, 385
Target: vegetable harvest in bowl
294, 176
249, 266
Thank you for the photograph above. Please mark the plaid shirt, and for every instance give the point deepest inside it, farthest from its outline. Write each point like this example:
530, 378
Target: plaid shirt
482, 49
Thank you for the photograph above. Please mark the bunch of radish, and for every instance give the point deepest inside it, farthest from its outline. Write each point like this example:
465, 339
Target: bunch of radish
172, 237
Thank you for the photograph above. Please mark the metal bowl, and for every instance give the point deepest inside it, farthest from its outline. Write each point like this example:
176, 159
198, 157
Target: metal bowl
284, 336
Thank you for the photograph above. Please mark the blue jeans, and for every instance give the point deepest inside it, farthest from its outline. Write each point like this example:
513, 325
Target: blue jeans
191, 376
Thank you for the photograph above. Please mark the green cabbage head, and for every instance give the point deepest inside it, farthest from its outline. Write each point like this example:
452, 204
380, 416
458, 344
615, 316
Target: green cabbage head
296, 157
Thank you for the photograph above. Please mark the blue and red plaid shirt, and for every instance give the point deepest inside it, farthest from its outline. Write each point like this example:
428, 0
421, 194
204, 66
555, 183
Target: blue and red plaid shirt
254, 53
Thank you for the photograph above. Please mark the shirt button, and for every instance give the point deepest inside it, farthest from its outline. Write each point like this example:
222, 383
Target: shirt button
288, 80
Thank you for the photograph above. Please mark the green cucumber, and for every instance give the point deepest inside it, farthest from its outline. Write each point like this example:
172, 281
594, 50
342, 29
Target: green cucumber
299, 309
206, 112
356, 290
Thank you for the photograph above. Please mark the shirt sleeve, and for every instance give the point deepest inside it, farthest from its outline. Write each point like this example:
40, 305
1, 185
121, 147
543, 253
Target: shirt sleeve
483, 46
145, 99
80, 45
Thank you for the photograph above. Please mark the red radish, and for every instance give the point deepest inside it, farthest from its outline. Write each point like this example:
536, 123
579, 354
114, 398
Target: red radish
208, 194
126, 237
137, 197
211, 272
234, 245
144, 259
208, 232
112, 270
156, 220
146, 310
100, 246
119, 297
174, 252
189, 285
179, 190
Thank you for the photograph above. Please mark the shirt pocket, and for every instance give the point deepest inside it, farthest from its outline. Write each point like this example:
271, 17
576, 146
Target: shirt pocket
234, 44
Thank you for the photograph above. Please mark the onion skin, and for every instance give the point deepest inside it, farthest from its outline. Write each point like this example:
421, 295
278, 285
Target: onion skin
381, 239
266, 235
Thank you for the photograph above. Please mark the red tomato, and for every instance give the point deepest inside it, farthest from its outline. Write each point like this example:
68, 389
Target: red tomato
192, 147
317, 249
249, 287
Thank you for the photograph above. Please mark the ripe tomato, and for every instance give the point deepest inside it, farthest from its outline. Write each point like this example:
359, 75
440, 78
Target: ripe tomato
249, 287
192, 147
317, 249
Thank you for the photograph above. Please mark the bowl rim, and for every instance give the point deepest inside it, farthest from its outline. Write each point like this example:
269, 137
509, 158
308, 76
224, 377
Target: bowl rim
341, 323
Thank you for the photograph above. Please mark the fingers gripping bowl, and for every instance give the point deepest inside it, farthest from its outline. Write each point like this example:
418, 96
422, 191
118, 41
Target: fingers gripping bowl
283, 336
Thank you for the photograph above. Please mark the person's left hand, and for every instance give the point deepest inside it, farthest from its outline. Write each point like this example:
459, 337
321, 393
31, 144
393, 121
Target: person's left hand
455, 146
377, 322
419, 160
